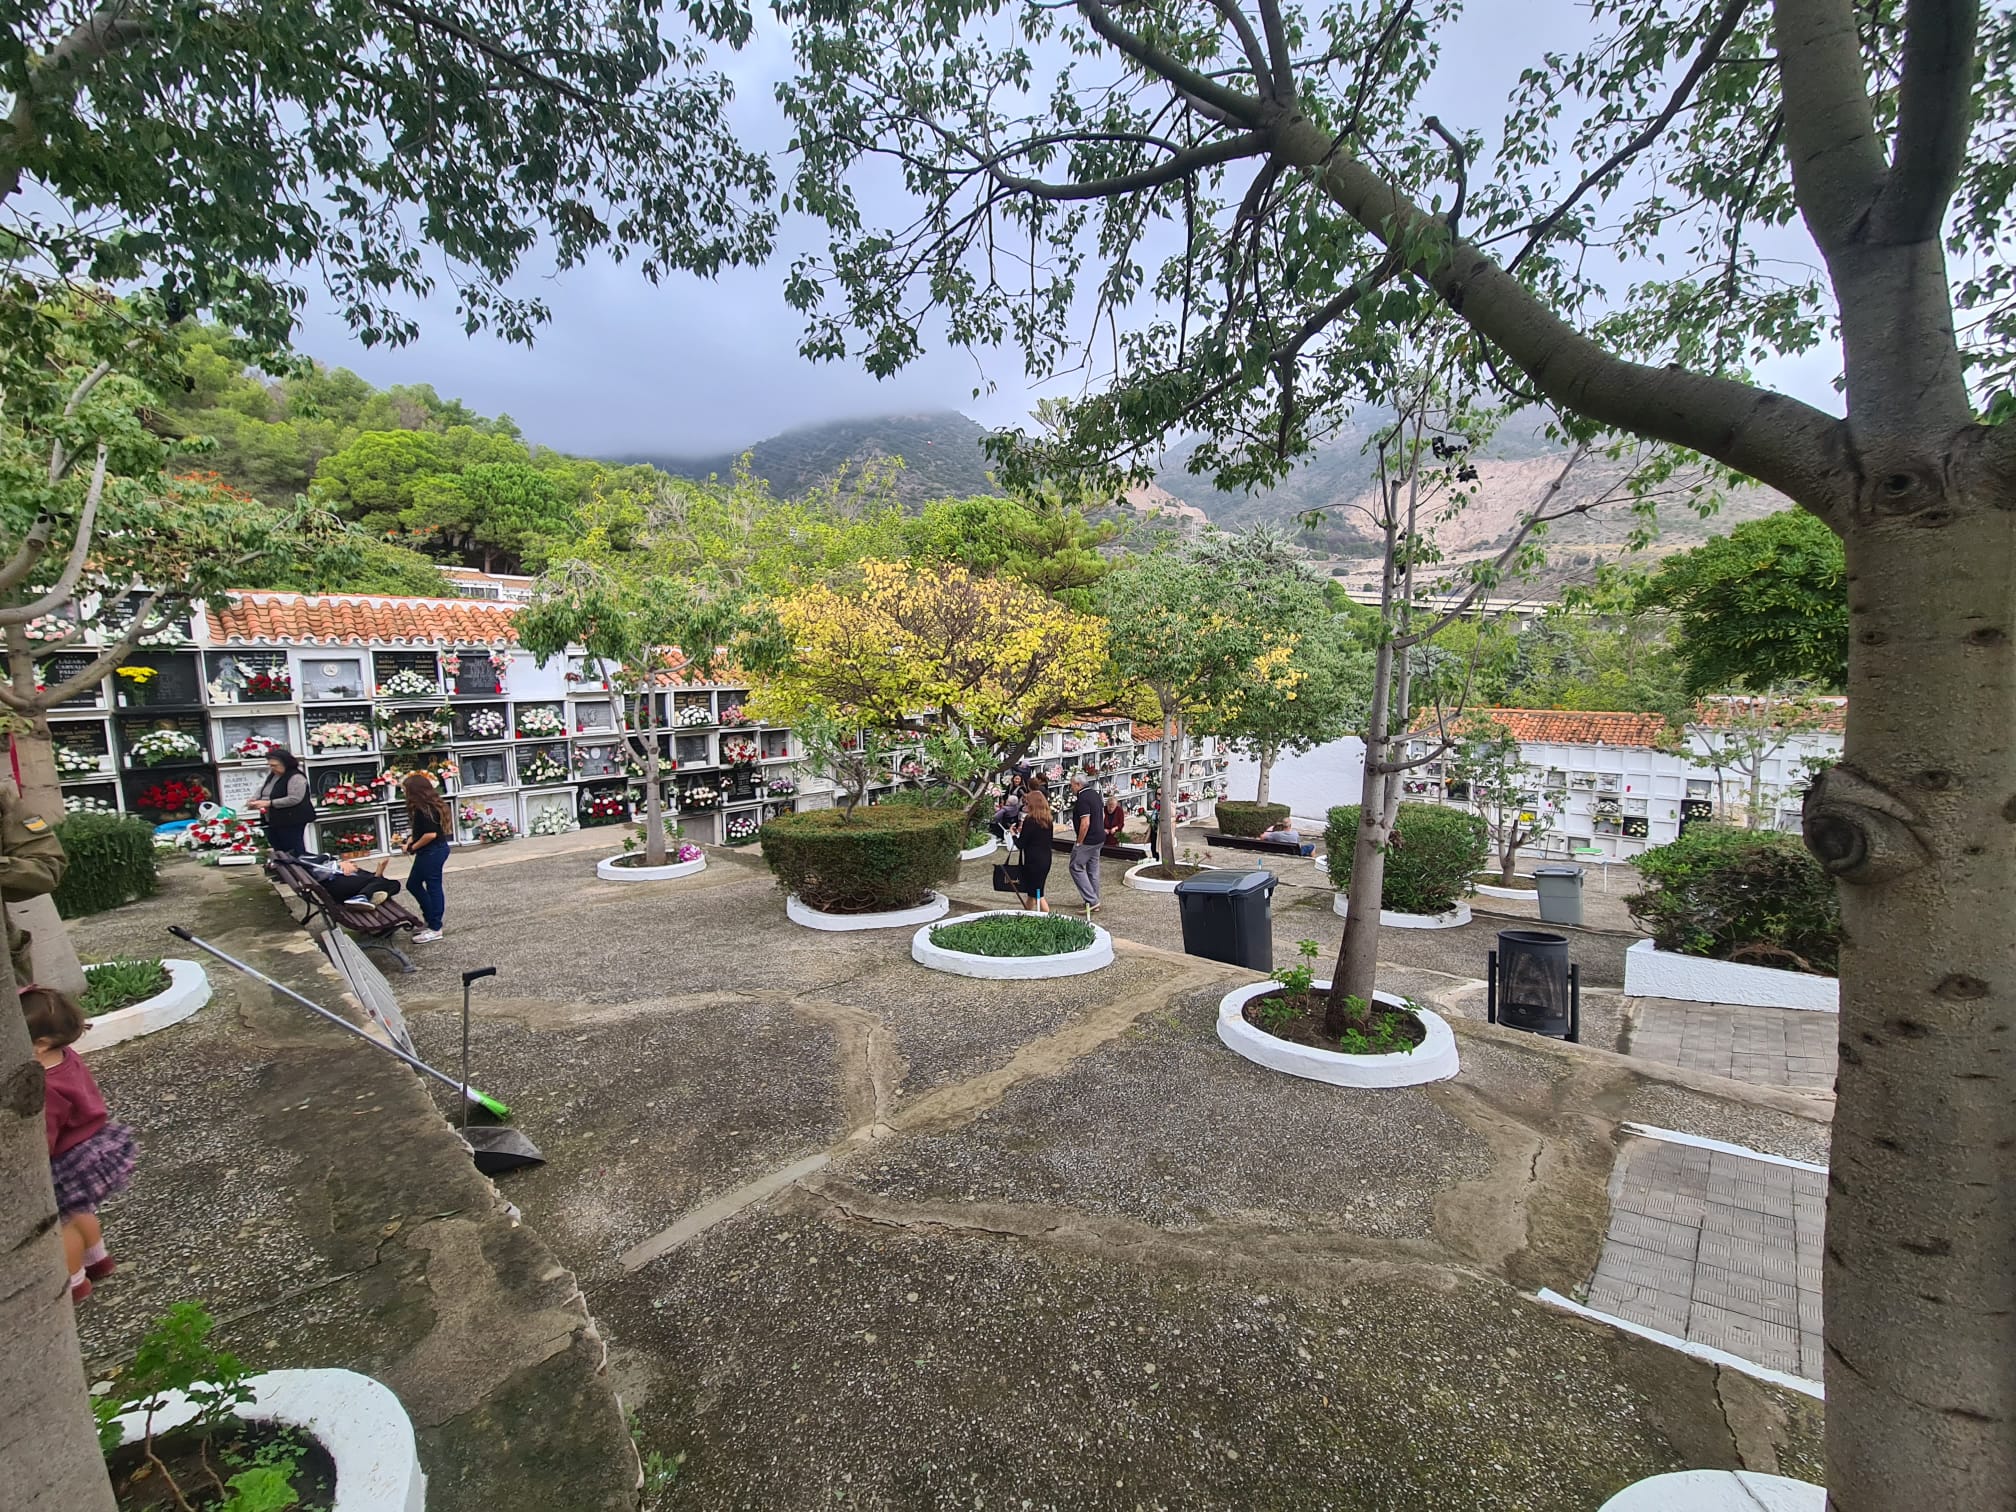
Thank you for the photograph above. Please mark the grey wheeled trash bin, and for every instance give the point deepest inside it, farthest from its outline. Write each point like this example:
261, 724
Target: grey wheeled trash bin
1227, 917
1560, 893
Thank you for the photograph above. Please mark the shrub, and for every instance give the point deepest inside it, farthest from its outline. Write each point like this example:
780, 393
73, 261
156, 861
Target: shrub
111, 862
1745, 895
112, 985
1020, 935
886, 858
1249, 819
1429, 859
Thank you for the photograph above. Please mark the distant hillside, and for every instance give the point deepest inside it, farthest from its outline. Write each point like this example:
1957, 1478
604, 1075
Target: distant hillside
940, 452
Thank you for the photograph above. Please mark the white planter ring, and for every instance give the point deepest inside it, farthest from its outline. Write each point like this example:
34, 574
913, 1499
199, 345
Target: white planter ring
1512, 894
1718, 1491
357, 1420
1456, 918
238, 860
1434, 1059
612, 869
978, 852
188, 989
1010, 968
935, 907
1132, 877
1652, 972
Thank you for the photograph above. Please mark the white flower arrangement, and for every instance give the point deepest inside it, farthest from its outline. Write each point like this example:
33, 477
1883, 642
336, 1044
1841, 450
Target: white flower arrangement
340, 735
700, 798
253, 748
158, 746
487, 724
78, 803
71, 761
408, 684
693, 716
741, 827
537, 723
552, 821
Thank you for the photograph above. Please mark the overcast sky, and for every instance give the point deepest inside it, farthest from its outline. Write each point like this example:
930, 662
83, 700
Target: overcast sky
692, 366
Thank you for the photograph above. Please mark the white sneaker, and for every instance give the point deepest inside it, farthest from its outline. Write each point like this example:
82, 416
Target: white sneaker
422, 936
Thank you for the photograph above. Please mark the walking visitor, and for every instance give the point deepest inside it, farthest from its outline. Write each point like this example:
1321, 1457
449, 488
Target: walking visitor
284, 803
1088, 833
427, 832
1034, 832
90, 1157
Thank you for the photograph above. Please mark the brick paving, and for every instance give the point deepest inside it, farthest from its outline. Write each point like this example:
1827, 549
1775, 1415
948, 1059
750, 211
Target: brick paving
1717, 1248
1778, 1047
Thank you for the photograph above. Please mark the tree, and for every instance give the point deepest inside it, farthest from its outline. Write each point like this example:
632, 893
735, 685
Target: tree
1503, 789
494, 515
1740, 735
1202, 631
643, 635
1306, 212
1041, 541
1764, 605
212, 154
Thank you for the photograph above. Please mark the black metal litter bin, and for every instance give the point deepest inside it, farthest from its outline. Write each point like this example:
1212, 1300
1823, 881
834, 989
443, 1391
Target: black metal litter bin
1227, 916
1560, 893
1532, 985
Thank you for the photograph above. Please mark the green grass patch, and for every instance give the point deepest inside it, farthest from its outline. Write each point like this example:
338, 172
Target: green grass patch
112, 985
1016, 935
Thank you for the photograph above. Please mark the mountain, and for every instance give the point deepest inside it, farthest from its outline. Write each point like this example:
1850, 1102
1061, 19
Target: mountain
940, 452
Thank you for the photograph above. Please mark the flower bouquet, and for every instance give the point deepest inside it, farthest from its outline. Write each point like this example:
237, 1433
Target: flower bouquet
538, 724
175, 797
604, 808
440, 773
781, 787
414, 734
159, 746
352, 842
911, 771
408, 684
700, 798
222, 834
741, 828
487, 724
78, 803
487, 825
347, 794
253, 748
50, 627
540, 767
692, 717
74, 761
734, 715
552, 821
133, 683
340, 735
740, 753
268, 686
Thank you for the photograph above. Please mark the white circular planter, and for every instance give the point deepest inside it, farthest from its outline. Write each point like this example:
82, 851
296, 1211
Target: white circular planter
1718, 1491
897, 918
978, 851
613, 870
1010, 968
357, 1420
1511, 894
1434, 1059
188, 989
1388, 919
1132, 878
238, 860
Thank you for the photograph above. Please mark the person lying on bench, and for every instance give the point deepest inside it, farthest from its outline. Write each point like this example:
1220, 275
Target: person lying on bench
346, 881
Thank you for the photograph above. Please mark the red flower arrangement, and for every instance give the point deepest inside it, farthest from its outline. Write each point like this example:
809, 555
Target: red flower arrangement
269, 685
174, 796
351, 842
607, 808
350, 795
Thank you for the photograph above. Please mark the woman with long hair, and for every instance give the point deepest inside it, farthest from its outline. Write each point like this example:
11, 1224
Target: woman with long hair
1034, 834
284, 803
427, 831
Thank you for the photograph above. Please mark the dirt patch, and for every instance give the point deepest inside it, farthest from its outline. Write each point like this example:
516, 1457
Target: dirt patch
1297, 1017
1168, 873
200, 1461
1517, 884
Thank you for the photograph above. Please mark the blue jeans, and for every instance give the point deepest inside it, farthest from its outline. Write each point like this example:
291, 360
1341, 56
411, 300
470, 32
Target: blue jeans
424, 882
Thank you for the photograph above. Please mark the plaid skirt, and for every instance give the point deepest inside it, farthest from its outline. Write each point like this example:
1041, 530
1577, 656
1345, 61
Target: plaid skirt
86, 1174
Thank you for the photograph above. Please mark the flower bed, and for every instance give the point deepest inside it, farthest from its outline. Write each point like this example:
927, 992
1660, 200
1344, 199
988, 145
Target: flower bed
1431, 1058
1248, 820
1652, 972
685, 860
1749, 898
1009, 945
1395, 918
128, 998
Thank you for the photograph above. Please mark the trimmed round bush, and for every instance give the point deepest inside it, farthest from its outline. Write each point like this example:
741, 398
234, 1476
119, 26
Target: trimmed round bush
887, 857
1250, 820
1429, 859
1755, 896
112, 861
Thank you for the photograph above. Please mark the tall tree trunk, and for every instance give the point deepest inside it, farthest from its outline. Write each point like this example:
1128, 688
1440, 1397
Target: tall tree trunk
34, 756
1172, 734
1917, 820
1266, 786
1358, 955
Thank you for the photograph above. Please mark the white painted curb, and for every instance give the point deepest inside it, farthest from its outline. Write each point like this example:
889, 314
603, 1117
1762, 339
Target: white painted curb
237, 860
1010, 968
1548, 1297
895, 918
1718, 1491
1652, 972
1434, 1059
978, 851
188, 989
1456, 918
1132, 877
610, 871
1511, 894
356, 1419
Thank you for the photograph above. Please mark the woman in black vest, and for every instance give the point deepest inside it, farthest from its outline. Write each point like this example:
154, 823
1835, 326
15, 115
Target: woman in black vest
283, 801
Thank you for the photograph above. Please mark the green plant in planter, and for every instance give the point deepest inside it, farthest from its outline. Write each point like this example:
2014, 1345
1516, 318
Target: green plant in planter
1249, 820
1015, 935
112, 862
882, 857
1429, 861
1755, 896
111, 985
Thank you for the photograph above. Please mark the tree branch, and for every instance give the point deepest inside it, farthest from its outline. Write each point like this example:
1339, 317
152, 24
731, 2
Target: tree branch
1215, 99
1932, 119
1277, 50
107, 31
1182, 165
1249, 42
106, 660
513, 62
73, 569
1830, 127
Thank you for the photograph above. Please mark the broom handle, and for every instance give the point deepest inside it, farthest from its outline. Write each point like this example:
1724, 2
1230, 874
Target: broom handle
316, 1008
469, 977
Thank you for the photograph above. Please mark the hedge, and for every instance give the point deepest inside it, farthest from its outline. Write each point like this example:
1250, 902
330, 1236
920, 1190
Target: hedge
1430, 858
1249, 819
888, 857
1756, 896
112, 862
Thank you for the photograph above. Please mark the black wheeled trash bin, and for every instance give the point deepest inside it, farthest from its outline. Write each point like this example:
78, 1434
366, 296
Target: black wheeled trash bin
1560, 893
1227, 916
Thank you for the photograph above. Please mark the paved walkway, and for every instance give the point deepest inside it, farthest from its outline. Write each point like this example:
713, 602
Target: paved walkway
1718, 1248
1777, 1047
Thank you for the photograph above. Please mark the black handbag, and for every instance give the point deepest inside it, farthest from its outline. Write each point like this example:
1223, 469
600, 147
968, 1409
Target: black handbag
1008, 876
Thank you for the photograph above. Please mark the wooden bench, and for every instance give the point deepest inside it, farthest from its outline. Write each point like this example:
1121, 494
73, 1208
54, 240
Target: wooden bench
1217, 841
376, 928
1110, 852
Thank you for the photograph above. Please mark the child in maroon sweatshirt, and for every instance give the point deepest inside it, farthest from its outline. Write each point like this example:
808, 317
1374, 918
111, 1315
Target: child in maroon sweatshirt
90, 1157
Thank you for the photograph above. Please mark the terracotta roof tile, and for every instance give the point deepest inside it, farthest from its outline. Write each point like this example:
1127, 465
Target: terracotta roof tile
1563, 726
261, 618
1829, 713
